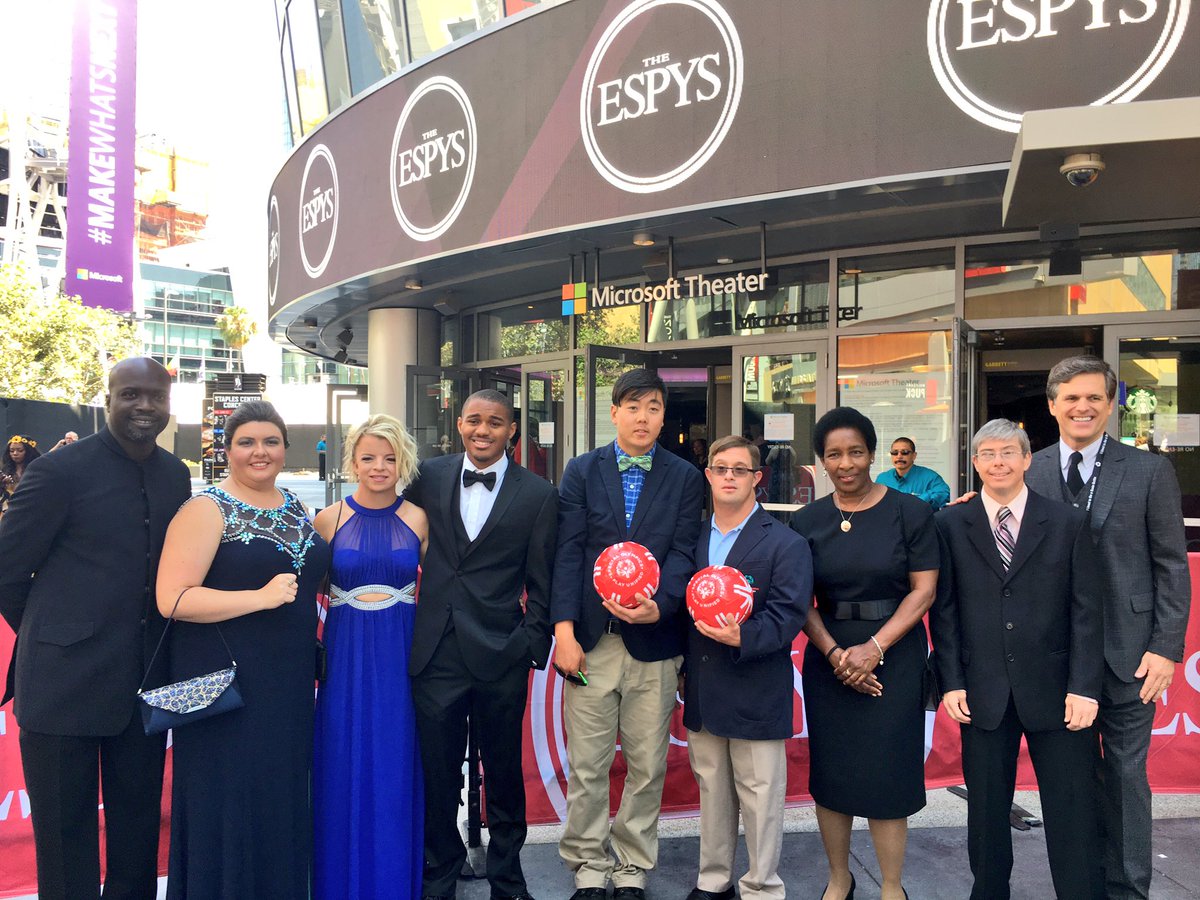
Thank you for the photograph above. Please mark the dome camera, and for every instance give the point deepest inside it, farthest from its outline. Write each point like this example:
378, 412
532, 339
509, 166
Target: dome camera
1082, 169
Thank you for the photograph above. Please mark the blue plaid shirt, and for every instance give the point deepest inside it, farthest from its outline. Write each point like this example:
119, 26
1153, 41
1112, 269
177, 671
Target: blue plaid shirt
632, 480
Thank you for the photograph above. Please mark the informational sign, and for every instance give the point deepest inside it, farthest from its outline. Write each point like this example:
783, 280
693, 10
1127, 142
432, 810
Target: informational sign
214, 461
546, 434
779, 427
100, 170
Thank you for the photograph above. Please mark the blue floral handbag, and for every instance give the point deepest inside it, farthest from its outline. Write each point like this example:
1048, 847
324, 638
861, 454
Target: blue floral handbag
173, 705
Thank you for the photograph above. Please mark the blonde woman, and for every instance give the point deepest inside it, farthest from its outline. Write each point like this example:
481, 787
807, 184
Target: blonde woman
367, 785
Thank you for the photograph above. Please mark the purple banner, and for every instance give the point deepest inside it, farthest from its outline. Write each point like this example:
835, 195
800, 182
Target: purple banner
100, 170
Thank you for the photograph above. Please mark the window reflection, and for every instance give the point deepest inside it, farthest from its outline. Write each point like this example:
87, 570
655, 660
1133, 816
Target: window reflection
779, 405
524, 329
902, 383
435, 23
374, 40
310, 74
876, 288
337, 79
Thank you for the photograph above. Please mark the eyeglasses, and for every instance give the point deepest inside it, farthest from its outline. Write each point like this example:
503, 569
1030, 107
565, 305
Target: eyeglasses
902, 452
1010, 455
736, 471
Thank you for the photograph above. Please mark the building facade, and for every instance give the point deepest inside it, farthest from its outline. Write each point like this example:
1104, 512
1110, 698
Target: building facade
781, 205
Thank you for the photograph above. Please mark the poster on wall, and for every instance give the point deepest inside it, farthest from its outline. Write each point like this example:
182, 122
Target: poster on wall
214, 462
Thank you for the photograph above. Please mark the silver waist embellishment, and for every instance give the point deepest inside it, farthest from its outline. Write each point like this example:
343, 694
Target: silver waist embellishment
406, 594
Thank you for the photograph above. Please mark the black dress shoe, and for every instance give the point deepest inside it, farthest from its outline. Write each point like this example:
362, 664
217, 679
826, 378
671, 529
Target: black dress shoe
849, 896
629, 893
592, 893
701, 894
524, 895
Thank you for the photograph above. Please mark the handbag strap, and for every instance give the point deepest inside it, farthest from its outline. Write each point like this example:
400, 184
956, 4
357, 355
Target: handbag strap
163, 637
324, 592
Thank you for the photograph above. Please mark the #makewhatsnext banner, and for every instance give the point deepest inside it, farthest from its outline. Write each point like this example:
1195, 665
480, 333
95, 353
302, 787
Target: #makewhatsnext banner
100, 205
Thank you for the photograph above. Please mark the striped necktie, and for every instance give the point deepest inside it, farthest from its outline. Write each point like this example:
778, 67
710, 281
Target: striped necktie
1004, 538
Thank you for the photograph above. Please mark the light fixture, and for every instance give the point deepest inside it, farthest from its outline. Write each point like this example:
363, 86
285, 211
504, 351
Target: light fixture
341, 356
345, 336
309, 322
413, 284
643, 239
724, 260
851, 271
310, 345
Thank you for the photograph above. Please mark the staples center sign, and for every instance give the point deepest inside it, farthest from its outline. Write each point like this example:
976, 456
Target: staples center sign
996, 59
660, 92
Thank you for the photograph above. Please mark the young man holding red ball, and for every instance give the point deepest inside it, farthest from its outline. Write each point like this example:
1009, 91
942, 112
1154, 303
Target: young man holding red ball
738, 693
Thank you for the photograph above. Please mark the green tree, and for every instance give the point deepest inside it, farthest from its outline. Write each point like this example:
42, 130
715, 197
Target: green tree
237, 326
55, 348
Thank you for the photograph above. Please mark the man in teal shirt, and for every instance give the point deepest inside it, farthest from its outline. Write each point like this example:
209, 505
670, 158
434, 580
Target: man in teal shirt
909, 478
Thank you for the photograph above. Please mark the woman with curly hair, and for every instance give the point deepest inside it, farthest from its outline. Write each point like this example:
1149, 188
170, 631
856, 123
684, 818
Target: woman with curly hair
19, 453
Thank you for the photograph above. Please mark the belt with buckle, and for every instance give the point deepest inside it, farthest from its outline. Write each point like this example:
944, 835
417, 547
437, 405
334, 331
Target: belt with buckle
612, 626
865, 610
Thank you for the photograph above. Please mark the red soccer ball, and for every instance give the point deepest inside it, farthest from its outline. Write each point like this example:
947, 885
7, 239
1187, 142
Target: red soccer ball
623, 571
719, 592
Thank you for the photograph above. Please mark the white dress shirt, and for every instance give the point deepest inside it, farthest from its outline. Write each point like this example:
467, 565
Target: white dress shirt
475, 502
1016, 506
1089, 458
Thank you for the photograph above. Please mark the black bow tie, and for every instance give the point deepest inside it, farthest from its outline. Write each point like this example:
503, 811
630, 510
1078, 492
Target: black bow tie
487, 479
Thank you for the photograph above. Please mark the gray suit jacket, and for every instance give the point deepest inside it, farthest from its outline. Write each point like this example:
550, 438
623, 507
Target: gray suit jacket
1137, 525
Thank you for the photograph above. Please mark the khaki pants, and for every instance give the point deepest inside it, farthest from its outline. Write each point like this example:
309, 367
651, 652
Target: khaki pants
635, 699
752, 776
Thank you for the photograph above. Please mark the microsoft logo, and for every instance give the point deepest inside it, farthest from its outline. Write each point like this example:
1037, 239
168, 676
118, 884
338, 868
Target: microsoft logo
81, 274
574, 298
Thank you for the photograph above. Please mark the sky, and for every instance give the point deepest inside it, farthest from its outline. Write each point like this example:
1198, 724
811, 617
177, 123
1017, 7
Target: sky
208, 80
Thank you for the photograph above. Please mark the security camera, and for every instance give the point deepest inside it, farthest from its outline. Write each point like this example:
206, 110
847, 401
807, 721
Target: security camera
1082, 169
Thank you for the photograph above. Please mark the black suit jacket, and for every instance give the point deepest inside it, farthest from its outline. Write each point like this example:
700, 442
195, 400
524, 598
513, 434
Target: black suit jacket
1034, 631
591, 517
80, 545
1137, 525
480, 583
746, 692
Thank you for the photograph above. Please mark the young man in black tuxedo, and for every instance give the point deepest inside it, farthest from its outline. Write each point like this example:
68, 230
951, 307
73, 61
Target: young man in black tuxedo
1019, 651
80, 544
740, 677
628, 490
482, 623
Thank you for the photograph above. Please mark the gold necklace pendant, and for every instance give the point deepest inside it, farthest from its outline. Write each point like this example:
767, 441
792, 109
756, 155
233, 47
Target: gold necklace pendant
846, 524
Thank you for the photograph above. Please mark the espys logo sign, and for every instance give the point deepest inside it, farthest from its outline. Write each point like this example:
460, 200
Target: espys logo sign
433, 158
272, 251
660, 92
994, 58
318, 210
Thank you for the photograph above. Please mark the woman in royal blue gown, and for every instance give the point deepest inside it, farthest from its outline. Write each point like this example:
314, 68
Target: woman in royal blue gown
367, 788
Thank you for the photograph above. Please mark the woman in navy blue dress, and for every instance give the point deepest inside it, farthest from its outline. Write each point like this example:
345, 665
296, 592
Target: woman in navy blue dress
248, 563
367, 787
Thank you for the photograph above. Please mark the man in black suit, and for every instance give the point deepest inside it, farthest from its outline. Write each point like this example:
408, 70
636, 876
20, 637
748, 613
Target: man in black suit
1018, 646
738, 690
628, 490
80, 544
1136, 522
491, 543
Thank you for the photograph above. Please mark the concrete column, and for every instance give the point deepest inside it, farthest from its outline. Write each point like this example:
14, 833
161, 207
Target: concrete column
397, 339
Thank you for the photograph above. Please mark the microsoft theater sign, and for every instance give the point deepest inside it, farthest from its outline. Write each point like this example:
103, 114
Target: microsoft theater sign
689, 287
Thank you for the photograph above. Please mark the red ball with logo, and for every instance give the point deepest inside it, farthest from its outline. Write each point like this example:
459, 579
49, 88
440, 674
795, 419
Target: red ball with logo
719, 594
623, 571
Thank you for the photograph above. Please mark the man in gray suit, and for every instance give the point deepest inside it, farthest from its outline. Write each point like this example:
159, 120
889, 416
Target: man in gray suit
1132, 498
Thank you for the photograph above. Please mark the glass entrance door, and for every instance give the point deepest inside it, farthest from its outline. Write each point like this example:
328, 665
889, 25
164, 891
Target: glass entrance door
545, 441
601, 367
1158, 402
777, 398
435, 397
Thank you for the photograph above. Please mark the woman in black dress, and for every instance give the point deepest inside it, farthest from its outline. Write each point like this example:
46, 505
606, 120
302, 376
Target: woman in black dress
875, 562
248, 562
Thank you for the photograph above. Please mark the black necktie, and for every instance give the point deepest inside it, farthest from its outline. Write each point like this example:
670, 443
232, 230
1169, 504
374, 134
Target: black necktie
1074, 479
487, 479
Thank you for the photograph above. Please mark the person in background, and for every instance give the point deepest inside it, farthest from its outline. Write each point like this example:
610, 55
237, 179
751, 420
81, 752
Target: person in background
242, 564
629, 490
80, 545
739, 683
69, 438
875, 561
18, 454
1018, 647
481, 624
700, 454
321, 453
1136, 520
907, 477
368, 790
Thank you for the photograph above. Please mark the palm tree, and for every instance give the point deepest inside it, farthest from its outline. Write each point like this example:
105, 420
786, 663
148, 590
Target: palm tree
237, 327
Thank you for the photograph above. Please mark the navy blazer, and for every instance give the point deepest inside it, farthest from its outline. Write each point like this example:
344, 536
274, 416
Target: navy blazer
591, 517
1033, 632
746, 692
479, 584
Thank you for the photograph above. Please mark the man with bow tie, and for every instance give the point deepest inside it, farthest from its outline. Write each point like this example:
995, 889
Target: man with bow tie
492, 531
627, 490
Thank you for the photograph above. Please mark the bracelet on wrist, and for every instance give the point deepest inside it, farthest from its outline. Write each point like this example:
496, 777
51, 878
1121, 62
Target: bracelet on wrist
830, 652
877, 647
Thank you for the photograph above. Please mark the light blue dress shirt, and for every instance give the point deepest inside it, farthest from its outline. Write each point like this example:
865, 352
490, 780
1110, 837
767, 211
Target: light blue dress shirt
720, 544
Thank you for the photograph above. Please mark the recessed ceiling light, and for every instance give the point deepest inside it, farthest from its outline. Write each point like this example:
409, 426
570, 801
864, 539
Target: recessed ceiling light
413, 284
643, 239
724, 260
851, 271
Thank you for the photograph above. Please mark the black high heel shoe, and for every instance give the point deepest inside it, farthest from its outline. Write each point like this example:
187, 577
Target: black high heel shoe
849, 896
